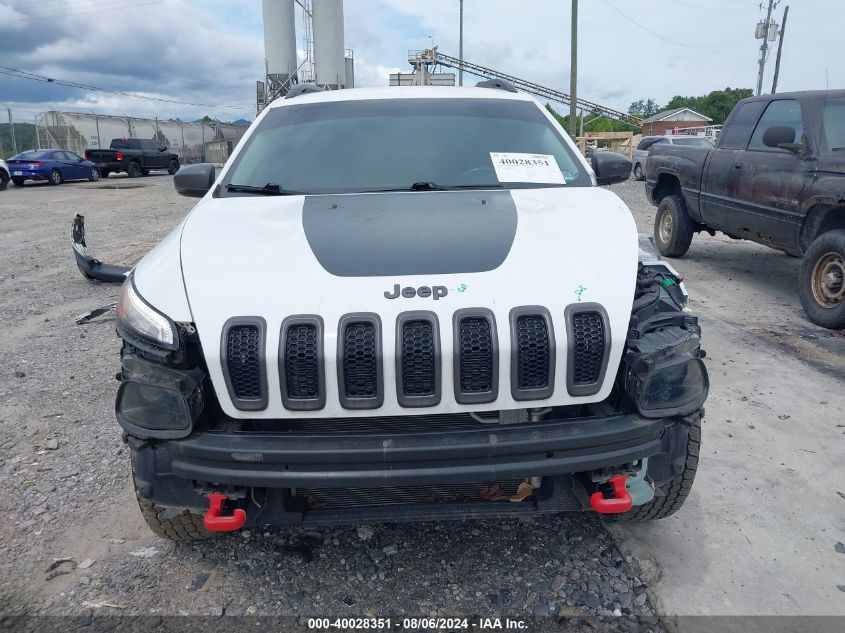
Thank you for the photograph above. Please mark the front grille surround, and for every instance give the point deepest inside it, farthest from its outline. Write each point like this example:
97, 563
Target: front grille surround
474, 362
532, 353
247, 392
577, 353
354, 374
418, 362
302, 360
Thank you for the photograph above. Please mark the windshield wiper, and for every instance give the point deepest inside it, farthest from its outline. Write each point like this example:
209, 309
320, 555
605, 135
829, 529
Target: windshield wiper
270, 189
433, 186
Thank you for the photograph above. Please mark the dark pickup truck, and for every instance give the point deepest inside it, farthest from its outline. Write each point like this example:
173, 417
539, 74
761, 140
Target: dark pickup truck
135, 156
777, 177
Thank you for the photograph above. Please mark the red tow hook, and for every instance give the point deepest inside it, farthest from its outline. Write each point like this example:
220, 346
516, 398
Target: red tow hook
621, 500
215, 522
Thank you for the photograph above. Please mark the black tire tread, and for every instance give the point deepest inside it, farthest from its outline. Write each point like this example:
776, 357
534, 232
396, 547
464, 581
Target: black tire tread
185, 527
833, 318
682, 228
678, 488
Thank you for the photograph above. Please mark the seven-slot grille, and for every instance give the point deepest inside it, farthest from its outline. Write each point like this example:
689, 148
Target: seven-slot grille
418, 359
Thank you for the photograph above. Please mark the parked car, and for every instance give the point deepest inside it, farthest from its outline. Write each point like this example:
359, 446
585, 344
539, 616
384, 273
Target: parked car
5, 177
405, 303
52, 165
647, 142
777, 177
135, 156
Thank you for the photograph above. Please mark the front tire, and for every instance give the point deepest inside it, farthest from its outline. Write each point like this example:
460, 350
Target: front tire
56, 177
673, 228
676, 491
638, 172
174, 167
822, 285
4, 181
134, 170
94, 176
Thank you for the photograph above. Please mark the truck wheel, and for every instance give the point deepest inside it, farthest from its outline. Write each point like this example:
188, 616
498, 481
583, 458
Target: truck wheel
104, 173
134, 169
56, 177
822, 287
18, 182
677, 489
174, 167
638, 172
673, 228
94, 176
4, 180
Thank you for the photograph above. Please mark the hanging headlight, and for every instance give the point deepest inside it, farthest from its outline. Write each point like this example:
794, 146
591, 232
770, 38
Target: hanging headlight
142, 320
664, 373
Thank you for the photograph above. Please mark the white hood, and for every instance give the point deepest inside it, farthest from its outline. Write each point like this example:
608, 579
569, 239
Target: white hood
252, 256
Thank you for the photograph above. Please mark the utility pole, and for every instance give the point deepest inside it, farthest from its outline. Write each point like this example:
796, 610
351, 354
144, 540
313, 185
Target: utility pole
461, 46
573, 73
12, 131
780, 47
764, 47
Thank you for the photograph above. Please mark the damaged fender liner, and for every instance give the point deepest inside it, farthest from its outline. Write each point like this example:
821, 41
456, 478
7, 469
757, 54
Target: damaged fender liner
91, 267
337, 460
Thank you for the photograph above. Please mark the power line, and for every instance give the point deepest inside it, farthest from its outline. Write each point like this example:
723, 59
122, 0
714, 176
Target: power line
45, 12
666, 39
696, 6
23, 74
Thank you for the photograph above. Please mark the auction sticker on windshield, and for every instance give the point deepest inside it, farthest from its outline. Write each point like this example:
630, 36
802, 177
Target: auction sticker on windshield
540, 168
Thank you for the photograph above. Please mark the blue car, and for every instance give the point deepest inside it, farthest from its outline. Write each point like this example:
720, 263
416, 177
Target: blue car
53, 165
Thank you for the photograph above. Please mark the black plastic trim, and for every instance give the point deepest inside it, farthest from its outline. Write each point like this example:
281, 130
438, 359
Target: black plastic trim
360, 403
549, 389
303, 404
246, 404
419, 401
486, 396
595, 387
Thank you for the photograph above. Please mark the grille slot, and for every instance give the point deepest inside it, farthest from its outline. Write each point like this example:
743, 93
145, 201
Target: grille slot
418, 359
589, 344
533, 353
301, 363
243, 362
476, 366
360, 361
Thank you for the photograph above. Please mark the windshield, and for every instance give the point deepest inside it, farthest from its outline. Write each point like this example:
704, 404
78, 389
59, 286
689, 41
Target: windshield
390, 144
693, 141
833, 122
32, 154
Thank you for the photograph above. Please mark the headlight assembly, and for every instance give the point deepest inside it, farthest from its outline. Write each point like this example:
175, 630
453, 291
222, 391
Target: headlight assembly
143, 320
664, 373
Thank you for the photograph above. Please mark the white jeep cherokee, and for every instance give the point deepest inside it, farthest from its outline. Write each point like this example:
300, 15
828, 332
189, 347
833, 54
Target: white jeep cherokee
406, 303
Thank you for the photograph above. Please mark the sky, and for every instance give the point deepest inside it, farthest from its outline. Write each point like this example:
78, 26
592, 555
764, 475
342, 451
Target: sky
209, 53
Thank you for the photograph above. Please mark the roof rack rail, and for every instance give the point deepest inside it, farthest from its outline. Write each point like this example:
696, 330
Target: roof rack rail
498, 84
302, 89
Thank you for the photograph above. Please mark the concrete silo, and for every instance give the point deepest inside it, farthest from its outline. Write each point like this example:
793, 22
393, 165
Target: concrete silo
329, 60
279, 42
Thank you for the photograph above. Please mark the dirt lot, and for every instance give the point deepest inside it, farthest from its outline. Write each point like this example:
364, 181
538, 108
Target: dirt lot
761, 533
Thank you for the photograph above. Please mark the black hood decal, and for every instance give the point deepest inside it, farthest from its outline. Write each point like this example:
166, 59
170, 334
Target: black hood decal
390, 234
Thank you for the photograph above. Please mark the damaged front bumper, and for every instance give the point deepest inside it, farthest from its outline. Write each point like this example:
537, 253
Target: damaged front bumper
269, 472
91, 267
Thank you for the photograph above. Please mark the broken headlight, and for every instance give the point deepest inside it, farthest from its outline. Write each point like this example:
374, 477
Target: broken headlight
158, 402
664, 373
143, 320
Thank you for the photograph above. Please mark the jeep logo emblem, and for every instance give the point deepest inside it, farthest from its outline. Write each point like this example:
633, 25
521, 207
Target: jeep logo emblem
423, 291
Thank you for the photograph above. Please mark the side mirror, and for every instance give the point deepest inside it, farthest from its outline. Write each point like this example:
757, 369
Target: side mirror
194, 181
781, 137
610, 167
162, 148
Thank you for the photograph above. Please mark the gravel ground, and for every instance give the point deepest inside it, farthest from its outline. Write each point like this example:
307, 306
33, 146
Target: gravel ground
67, 491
